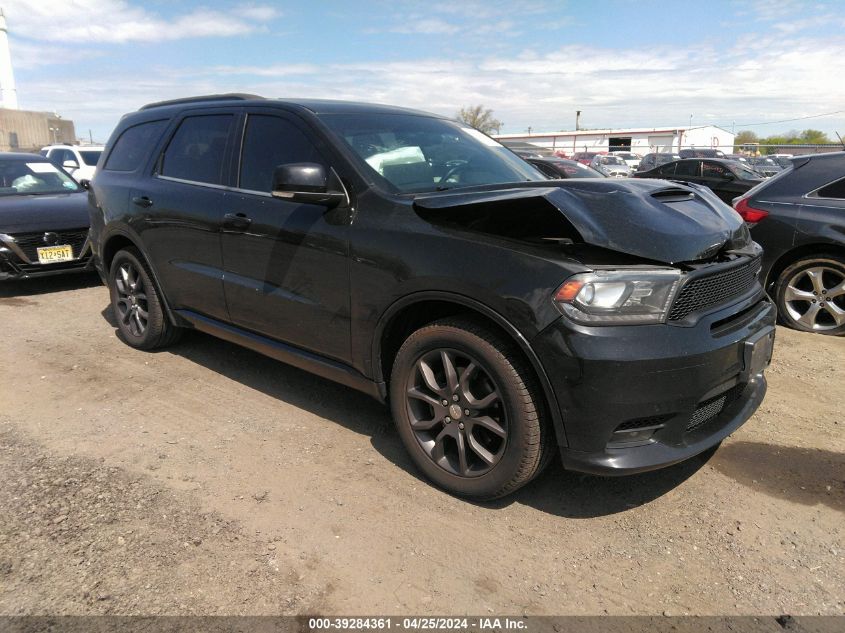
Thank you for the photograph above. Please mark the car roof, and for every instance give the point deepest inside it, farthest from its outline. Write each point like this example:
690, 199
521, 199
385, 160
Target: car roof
316, 106
29, 158
79, 147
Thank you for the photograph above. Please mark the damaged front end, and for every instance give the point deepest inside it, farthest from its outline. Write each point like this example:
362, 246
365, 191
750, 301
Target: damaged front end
658, 252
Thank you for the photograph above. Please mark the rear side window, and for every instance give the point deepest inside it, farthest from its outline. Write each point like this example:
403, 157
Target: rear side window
197, 149
833, 190
687, 168
668, 170
269, 142
132, 146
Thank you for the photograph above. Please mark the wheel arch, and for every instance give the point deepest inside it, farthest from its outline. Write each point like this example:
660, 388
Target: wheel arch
118, 241
799, 252
414, 311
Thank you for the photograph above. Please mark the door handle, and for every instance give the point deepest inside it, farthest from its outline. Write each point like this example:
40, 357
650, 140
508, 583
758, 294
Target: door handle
142, 201
237, 221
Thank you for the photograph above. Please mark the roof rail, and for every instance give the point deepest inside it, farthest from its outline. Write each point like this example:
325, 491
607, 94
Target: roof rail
234, 96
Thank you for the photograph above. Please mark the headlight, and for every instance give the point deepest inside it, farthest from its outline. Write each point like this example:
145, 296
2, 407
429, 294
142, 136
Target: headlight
618, 297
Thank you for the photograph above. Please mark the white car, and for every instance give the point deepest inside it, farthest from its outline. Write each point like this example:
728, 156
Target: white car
631, 159
80, 161
611, 166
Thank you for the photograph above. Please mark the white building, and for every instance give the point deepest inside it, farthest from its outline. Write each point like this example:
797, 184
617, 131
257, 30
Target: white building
638, 140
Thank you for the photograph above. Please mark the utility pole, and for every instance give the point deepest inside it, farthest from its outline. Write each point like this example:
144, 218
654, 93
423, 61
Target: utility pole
529, 130
577, 120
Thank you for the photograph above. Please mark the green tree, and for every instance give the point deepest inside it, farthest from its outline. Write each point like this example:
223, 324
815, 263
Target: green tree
480, 118
744, 136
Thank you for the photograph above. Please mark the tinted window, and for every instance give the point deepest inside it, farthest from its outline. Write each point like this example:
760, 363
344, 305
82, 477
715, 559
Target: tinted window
269, 142
196, 151
132, 146
667, 170
687, 168
833, 190
548, 170
90, 157
715, 170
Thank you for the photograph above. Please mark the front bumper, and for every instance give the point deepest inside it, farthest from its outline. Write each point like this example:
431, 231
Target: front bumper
639, 398
16, 264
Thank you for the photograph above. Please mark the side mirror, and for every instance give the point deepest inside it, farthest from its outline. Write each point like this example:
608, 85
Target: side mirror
308, 182
70, 164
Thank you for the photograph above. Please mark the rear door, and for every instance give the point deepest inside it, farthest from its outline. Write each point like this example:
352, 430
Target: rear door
183, 206
286, 263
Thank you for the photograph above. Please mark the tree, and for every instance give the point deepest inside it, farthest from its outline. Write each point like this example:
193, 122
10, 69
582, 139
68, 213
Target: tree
480, 118
744, 137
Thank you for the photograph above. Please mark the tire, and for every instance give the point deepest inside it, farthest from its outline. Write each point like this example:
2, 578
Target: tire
504, 440
810, 294
133, 295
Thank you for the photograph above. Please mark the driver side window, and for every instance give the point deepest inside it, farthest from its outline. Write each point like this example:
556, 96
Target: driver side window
715, 170
270, 141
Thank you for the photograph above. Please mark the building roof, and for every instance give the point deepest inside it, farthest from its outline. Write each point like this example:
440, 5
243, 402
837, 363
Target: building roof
611, 131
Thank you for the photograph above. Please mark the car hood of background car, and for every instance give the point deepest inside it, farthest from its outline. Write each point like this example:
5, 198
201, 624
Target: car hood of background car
653, 219
43, 212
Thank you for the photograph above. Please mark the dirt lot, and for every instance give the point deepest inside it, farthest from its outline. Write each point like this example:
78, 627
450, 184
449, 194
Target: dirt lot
208, 479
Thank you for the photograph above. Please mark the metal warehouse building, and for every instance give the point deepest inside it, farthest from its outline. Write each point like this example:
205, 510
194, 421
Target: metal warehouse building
638, 140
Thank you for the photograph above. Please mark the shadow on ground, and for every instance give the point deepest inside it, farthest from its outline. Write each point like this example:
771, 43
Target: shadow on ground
804, 475
13, 292
557, 492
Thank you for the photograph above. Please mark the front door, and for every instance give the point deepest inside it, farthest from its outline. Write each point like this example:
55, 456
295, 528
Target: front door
286, 267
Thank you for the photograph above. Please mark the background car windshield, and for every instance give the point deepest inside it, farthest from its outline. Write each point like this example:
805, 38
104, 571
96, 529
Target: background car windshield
90, 157
412, 154
22, 177
744, 172
611, 160
580, 170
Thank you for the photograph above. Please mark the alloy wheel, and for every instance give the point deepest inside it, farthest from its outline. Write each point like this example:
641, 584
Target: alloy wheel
131, 302
456, 412
815, 298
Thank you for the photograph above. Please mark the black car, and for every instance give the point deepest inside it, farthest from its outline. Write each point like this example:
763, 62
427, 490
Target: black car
798, 217
43, 219
505, 317
726, 178
701, 152
656, 159
563, 168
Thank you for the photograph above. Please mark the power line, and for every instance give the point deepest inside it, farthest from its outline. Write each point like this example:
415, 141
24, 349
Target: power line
801, 118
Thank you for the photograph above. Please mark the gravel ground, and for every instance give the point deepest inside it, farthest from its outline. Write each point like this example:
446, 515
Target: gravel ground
207, 479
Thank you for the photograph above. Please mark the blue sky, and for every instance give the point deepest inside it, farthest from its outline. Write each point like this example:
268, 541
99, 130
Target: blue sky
623, 63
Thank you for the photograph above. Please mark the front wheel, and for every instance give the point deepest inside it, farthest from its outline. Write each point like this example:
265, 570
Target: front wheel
811, 294
468, 409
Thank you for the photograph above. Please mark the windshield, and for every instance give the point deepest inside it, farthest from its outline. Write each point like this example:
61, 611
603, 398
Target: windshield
580, 170
611, 160
21, 177
90, 156
744, 172
414, 154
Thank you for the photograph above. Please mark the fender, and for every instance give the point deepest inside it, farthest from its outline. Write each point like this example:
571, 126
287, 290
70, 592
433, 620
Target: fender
513, 332
125, 232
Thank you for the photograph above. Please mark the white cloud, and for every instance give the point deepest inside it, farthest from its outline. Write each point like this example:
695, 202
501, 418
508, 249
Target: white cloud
116, 21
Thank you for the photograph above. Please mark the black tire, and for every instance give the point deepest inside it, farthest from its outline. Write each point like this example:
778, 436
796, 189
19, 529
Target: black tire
133, 295
510, 432
810, 294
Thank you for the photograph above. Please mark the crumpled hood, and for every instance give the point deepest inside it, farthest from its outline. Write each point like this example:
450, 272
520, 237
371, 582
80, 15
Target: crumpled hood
46, 212
654, 219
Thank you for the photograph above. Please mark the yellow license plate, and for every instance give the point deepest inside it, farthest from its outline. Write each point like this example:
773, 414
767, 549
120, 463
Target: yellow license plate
53, 254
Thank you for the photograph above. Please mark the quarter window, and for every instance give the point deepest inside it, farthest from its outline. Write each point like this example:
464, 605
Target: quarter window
197, 149
833, 190
269, 142
132, 146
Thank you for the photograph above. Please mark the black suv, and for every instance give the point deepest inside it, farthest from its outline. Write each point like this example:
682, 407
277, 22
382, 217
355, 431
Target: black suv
502, 315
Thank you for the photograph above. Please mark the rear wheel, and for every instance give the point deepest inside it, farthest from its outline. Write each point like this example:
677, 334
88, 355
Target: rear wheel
468, 409
811, 294
136, 303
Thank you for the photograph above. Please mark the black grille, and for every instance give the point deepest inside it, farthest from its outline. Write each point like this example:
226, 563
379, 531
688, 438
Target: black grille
30, 242
709, 409
718, 287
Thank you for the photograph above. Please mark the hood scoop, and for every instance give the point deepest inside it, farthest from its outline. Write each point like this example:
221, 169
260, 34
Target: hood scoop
652, 219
